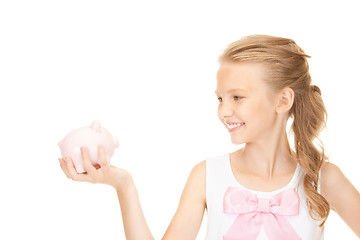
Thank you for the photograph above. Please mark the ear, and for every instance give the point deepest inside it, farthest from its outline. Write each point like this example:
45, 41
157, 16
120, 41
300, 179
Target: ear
285, 100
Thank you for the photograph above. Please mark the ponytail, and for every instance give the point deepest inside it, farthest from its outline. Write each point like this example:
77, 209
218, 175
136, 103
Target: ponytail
310, 118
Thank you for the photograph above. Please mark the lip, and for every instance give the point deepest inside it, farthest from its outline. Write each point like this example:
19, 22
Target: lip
234, 129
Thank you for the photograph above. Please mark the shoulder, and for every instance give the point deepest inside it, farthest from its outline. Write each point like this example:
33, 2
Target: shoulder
330, 175
342, 196
198, 171
197, 178
212, 166
332, 182
194, 190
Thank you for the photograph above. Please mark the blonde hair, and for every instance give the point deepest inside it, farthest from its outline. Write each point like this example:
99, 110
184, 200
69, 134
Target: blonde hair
288, 67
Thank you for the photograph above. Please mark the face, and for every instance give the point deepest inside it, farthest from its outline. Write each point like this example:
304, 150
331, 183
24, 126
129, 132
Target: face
244, 100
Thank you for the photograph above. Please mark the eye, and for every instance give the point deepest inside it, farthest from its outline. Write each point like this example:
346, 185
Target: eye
237, 97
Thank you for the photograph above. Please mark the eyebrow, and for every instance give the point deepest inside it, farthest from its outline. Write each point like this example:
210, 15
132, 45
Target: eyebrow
232, 90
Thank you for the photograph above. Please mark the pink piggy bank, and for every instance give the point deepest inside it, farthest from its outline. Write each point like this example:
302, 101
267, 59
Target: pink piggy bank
90, 137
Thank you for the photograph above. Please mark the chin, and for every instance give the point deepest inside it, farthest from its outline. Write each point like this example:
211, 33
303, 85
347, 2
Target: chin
237, 141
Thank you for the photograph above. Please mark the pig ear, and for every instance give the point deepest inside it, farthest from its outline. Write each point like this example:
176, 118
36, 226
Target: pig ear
60, 143
116, 142
95, 125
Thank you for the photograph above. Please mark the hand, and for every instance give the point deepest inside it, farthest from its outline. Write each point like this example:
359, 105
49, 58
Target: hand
103, 173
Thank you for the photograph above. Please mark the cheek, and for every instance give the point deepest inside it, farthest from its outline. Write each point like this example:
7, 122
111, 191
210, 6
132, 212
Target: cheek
266, 115
248, 110
256, 112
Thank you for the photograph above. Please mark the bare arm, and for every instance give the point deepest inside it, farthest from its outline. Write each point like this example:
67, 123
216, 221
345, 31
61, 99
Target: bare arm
343, 197
188, 217
135, 225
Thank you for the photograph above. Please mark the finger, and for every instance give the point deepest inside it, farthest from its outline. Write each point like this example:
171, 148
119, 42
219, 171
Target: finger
102, 155
70, 168
63, 167
89, 168
72, 172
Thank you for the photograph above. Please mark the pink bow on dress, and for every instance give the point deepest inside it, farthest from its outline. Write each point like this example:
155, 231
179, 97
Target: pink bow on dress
255, 212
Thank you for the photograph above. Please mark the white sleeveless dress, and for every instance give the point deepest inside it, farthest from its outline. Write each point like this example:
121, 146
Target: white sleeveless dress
219, 177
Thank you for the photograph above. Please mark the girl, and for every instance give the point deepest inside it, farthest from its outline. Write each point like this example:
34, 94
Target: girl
265, 190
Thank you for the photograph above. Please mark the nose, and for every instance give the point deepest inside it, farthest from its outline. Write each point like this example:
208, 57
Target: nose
225, 110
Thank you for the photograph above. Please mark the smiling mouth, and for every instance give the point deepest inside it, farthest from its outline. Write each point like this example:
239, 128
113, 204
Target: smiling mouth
234, 127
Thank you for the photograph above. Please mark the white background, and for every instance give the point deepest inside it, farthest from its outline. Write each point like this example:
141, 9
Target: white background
146, 70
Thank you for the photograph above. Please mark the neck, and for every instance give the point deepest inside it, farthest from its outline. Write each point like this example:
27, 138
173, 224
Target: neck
268, 156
